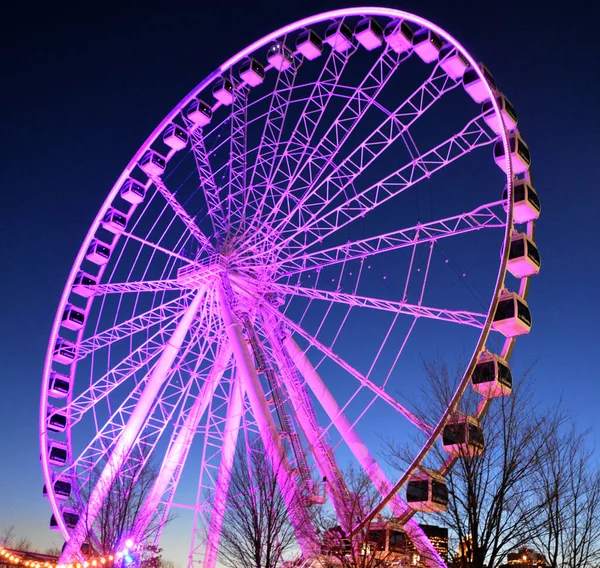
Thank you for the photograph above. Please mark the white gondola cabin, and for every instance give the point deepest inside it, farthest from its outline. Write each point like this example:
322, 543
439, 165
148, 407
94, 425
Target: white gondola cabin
339, 37
519, 154
252, 72
280, 57
69, 517
223, 91
453, 62
64, 351
426, 491
56, 421
62, 489
523, 258
53, 524
512, 316
73, 318
527, 206
475, 87
199, 112
463, 436
175, 137
369, 34
82, 285
399, 36
114, 221
152, 163
427, 45
492, 377
309, 44
133, 191
57, 453
98, 252
386, 536
59, 385
507, 110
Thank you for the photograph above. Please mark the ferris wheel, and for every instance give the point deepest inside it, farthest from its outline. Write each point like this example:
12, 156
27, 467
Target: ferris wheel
346, 193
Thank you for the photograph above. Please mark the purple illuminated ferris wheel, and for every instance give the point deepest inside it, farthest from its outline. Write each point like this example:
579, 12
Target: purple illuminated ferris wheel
342, 197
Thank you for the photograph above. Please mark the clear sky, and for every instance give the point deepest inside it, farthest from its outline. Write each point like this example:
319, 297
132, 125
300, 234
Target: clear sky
84, 85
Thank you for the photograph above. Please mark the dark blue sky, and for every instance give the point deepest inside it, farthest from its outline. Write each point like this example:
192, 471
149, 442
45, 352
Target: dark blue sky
84, 86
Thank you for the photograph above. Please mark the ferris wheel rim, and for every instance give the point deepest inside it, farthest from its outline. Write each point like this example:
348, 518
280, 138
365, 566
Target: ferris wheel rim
169, 118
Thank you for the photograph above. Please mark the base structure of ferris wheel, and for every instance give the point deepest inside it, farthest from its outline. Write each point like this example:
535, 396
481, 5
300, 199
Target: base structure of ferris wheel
259, 267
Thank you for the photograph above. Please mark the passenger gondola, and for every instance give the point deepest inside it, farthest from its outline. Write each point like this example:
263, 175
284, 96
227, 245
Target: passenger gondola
152, 163
309, 44
463, 436
175, 137
453, 62
523, 258
512, 316
280, 57
426, 491
399, 36
475, 86
427, 45
223, 91
73, 318
252, 72
527, 206
133, 191
199, 112
492, 377
369, 34
507, 110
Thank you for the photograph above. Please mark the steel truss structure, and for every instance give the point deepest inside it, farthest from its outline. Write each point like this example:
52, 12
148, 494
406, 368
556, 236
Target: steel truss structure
261, 269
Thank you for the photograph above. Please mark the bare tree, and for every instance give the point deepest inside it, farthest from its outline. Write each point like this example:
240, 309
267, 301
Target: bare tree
493, 506
380, 543
257, 531
569, 489
118, 514
10, 539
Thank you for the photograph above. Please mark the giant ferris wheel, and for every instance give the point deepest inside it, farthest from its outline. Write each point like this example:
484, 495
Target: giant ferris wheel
347, 192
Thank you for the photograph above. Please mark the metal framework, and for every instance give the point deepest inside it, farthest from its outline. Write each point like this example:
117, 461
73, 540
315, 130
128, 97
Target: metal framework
278, 258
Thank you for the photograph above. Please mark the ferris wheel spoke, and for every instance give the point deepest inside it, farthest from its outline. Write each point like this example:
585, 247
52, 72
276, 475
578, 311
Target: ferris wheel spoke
236, 186
303, 528
488, 216
135, 423
214, 205
270, 139
163, 314
230, 436
337, 417
176, 456
305, 169
162, 412
322, 222
281, 166
136, 287
127, 368
157, 247
394, 125
358, 448
364, 381
189, 223
306, 417
462, 317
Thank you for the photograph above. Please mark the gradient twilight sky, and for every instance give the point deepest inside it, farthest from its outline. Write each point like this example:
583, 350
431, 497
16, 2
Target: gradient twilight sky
84, 86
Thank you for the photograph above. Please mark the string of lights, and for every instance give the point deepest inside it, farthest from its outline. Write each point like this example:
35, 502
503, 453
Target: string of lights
30, 560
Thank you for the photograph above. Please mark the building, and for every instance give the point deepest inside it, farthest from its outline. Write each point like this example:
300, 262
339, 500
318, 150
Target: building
526, 558
439, 539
